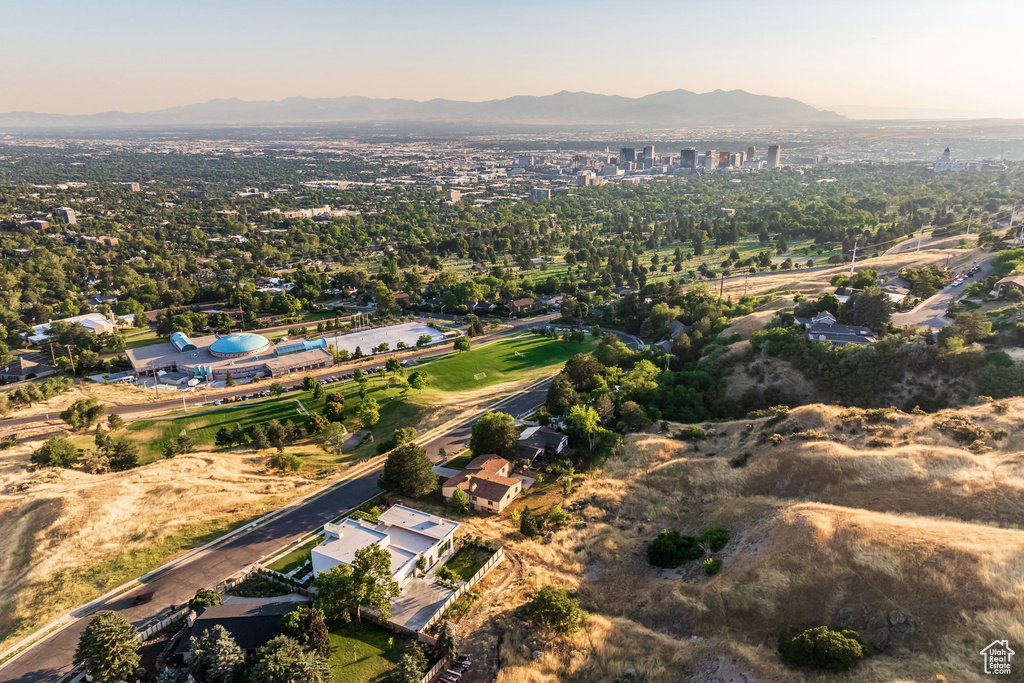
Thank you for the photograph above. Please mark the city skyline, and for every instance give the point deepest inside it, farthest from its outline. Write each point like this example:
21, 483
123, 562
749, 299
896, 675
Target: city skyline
138, 58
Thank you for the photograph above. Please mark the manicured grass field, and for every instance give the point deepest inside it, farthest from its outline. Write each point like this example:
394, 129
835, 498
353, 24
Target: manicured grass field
295, 559
364, 653
153, 435
467, 561
517, 359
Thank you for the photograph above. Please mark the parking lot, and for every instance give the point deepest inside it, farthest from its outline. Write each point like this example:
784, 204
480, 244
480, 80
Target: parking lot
367, 340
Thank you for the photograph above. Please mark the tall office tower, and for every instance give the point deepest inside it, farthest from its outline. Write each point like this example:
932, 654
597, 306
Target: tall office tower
751, 153
649, 152
710, 160
773, 156
723, 159
627, 154
688, 158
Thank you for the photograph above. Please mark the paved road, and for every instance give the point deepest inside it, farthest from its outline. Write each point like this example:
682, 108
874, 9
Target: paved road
51, 660
931, 313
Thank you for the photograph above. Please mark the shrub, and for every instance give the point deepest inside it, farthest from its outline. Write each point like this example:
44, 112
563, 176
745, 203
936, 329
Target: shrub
714, 539
670, 549
876, 415
740, 460
711, 566
555, 609
961, 428
204, 597
529, 523
446, 574
823, 648
692, 433
774, 414
286, 462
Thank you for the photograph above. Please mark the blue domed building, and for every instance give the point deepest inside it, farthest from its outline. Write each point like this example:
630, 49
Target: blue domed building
242, 355
239, 345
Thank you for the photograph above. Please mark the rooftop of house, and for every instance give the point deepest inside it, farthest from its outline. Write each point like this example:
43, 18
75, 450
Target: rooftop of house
251, 625
404, 532
481, 478
541, 437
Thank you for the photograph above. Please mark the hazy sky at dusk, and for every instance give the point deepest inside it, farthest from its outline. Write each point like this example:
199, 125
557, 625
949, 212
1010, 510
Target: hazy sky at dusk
67, 56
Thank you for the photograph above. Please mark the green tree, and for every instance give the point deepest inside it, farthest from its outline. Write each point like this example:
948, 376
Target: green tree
495, 433
115, 422
56, 451
306, 625
823, 648
215, 656
418, 380
318, 392
259, 438
108, 648
123, 453
459, 502
283, 660
369, 412
315, 423
309, 382
229, 380
412, 666
83, 413
554, 609
972, 326
529, 523
407, 470
384, 298
463, 344
448, 640
393, 365
375, 586
336, 593
276, 389
583, 425
204, 597
561, 395
557, 515
332, 437
334, 411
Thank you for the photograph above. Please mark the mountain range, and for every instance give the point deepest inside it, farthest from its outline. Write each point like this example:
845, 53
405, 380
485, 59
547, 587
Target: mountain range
667, 108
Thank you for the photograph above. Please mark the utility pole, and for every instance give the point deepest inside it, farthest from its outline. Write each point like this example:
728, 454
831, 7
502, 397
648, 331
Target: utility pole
183, 406
72, 359
721, 287
156, 391
919, 236
969, 217
852, 262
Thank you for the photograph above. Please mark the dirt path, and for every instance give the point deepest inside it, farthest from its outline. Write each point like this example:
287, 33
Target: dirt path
480, 637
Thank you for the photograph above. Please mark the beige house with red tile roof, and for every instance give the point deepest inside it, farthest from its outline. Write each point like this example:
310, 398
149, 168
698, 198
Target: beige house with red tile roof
486, 482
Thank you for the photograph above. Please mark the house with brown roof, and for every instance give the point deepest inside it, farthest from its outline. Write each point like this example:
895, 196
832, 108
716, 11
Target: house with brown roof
522, 305
1010, 282
486, 482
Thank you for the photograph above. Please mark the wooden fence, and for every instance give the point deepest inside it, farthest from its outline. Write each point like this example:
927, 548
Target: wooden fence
495, 559
435, 671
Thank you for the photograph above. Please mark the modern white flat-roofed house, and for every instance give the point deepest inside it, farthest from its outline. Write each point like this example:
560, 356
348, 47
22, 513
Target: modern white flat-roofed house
405, 533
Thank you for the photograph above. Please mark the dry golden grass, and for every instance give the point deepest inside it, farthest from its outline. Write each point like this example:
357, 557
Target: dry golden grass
56, 520
919, 545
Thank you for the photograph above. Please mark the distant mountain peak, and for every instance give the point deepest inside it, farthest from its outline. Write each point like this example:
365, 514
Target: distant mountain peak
666, 108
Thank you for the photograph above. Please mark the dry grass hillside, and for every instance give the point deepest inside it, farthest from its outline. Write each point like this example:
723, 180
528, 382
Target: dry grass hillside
67, 536
906, 527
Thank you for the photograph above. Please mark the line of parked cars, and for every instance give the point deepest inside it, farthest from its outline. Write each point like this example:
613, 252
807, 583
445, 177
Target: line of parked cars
963, 276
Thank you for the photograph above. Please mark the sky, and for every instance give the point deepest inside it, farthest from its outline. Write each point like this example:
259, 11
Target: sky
74, 57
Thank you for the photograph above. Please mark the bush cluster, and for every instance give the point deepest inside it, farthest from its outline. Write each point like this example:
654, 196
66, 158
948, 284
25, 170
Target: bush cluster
670, 548
823, 648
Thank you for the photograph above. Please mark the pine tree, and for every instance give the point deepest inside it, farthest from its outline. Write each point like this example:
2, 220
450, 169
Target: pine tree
108, 647
215, 657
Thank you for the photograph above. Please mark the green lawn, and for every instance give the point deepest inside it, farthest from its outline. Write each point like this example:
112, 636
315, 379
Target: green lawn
459, 462
364, 653
154, 434
516, 359
295, 559
467, 561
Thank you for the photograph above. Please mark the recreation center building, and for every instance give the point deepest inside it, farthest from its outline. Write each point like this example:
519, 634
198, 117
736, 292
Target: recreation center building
244, 354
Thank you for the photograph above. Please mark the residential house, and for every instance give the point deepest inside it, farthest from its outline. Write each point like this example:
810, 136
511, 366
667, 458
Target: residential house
537, 441
21, 369
402, 300
522, 305
406, 534
823, 328
486, 482
1010, 282
676, 329
96, 323
251, 625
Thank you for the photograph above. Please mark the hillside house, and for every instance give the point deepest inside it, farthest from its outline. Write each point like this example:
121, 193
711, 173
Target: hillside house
486, 482
824, 328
